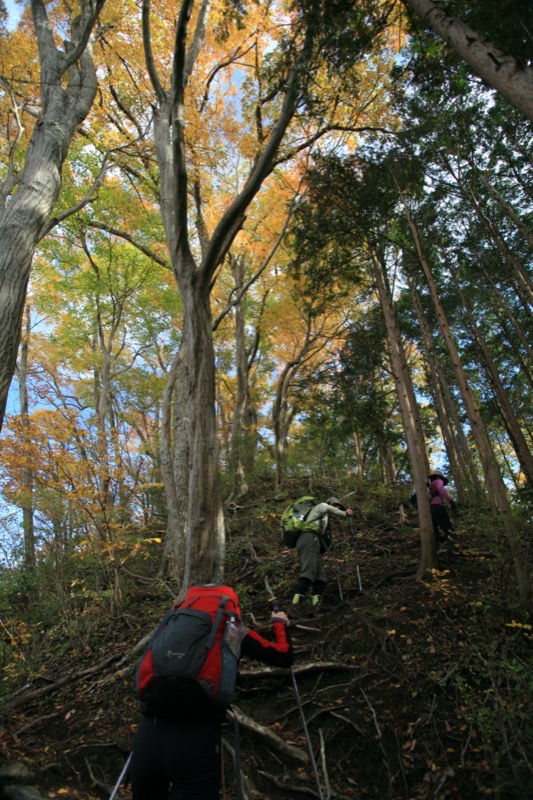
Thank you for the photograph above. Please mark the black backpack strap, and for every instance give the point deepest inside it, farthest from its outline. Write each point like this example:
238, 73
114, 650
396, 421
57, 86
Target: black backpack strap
216, 622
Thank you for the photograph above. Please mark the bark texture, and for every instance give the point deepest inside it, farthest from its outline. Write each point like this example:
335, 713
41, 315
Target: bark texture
495, 485
500, 70
195, 531
410, 419
68, 88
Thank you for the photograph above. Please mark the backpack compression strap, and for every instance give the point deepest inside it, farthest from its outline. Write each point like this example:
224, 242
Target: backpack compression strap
216, 622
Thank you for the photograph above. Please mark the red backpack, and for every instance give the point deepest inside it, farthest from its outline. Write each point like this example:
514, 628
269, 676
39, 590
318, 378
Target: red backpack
199, 638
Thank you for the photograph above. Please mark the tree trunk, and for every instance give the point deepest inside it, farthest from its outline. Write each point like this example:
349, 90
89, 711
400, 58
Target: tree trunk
457, 466
498, 69
459, 455
496, 487
68, 88
507, 207
520, 445
522, 278
388, 459
282, 415
200, 523
282, 412
173, 542
412, 428
360, 464
242, 433
204, 552
505, 314
102, 382
27, 471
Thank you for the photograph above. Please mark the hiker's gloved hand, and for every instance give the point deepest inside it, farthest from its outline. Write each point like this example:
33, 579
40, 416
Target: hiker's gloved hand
279, 616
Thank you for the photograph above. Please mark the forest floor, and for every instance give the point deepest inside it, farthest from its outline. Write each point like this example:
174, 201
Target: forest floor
409, 690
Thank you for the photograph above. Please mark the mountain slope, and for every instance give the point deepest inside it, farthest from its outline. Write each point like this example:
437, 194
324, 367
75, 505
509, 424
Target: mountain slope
408, 690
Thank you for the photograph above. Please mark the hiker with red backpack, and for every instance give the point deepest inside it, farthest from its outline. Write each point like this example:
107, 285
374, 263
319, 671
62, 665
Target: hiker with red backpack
312, 542
185, 681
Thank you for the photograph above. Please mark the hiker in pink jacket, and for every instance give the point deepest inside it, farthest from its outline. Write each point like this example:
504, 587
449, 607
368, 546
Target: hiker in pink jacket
442, 524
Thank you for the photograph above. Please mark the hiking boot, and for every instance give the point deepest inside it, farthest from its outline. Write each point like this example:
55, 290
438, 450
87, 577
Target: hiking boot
299, 607
316, 605
297, 600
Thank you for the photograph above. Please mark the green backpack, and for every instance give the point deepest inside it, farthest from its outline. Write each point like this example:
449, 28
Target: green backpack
293, 520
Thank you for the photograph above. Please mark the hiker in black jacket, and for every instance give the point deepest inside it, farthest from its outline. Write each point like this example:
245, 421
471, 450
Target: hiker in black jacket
176, 750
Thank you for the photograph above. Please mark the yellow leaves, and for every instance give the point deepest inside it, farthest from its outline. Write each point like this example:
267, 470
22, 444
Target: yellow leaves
515, 624
20, 69
17, 632
524, 627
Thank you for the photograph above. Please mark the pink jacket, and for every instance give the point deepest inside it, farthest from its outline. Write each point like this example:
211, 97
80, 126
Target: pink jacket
437, 493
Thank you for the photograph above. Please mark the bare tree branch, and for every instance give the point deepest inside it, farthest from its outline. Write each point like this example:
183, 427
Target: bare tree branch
129, 238
54, 221
148, 53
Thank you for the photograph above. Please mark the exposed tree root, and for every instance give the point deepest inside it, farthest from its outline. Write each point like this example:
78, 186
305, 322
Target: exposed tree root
273, 739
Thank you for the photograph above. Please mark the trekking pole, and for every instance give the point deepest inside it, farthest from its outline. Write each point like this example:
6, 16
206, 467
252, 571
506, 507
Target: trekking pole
306, 732
354, 549
339, 578
121, 777
275, 607
237, 743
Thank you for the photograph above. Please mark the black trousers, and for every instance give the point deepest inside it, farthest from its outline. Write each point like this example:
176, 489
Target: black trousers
443, 528
175, 761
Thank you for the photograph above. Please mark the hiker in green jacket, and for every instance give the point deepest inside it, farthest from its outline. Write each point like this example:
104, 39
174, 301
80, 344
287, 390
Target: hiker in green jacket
310, 545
